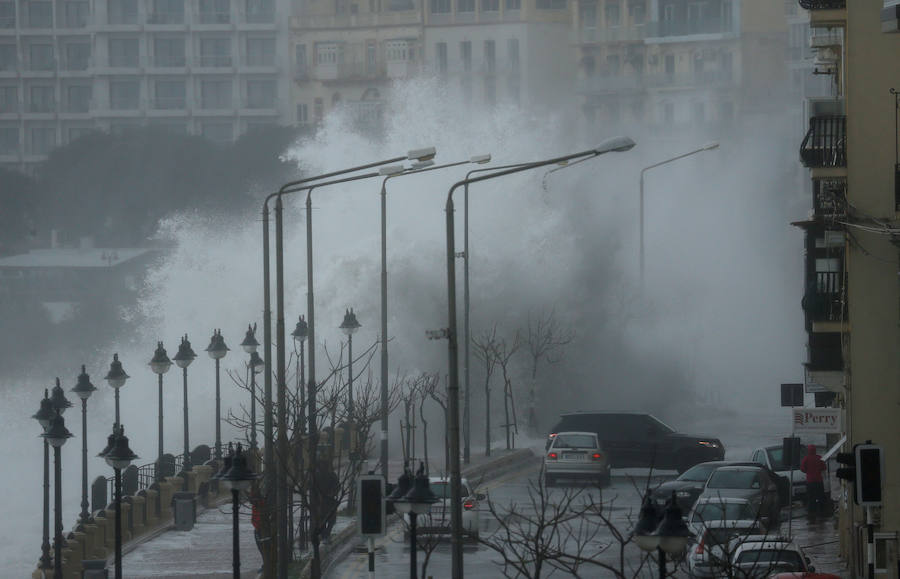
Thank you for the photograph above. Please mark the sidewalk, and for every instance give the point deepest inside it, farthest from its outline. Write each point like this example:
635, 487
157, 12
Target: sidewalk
205, 552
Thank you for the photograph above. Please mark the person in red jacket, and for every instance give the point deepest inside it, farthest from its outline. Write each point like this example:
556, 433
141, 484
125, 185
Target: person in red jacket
813, 465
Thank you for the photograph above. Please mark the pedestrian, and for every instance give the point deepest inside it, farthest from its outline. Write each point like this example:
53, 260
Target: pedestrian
258, 506
813, 465
325, 495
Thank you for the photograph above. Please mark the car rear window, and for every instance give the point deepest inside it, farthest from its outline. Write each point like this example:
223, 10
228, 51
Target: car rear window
734, 479
771, 556
441, 490
721, 511
699, 473
575, 441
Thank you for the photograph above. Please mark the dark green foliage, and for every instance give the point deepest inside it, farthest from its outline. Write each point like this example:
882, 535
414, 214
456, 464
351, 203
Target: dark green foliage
16, 211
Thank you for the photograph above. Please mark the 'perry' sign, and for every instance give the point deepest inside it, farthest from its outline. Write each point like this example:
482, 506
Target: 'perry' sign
817, 420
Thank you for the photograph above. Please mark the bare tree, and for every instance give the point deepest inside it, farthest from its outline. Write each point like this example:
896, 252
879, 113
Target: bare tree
484, 346
545, 339
503, 353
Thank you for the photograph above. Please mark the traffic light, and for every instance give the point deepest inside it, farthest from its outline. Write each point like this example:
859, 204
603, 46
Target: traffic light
869, 474
371, 505
848, 471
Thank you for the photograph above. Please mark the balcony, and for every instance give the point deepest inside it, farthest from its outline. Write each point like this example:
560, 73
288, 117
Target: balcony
825, 299
599, 85
825, 143
825, 12
830, 198
592, 35
825, 353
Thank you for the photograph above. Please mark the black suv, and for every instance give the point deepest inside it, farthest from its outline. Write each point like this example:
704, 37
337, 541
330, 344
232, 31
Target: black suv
641, 440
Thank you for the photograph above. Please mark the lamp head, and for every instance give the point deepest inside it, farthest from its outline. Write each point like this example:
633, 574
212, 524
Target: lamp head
615, 145
673, 532
116, 375
419, 165
257, 364
120, 455
160, 362
185, 354
83, 389
481, 159
644, 531
301, 330
240, 475
57, 433
391, 170
217, 348
250, 344
45, 412
424, 154
58, 398
350, 323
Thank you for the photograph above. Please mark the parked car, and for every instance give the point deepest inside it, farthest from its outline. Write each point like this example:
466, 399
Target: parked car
765, 555
641, 440
754, 483
576, 455
725, 510
689, 484
437, 521
773, 458
708, 555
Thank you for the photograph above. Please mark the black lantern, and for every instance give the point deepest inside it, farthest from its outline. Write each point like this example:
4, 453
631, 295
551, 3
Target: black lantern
116, 378
160, 364
83, 389
183, 359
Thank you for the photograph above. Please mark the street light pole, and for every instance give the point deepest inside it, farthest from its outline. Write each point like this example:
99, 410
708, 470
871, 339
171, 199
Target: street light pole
116, 378
57, 434
617, 144
183, 359
83, 389
160, 364
118, 455
480, 159
43, 416
217, 350
707, 147
250, 345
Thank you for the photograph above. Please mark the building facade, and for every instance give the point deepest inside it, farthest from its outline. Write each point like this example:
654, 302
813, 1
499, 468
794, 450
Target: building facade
852, 297
214, 68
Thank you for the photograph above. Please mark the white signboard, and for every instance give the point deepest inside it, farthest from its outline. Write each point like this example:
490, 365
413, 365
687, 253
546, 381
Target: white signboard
816, 420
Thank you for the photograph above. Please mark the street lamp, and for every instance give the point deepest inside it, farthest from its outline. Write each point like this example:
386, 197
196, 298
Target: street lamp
349, 326
217, 350
119, 456
56, 435
160, 364
256, 366
299, 334
413, 497
43, 416
420, 167
83, 389
183, 359
116, 378
616, 144
664, 532
238, 477
707, 147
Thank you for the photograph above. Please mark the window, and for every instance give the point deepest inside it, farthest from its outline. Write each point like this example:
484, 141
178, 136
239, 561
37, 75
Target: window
168, 94
613, 64
465, 6
440, 57
40, 99
397, 51
8, 58
40, 14
40, 57
512, 51
7, 15
371, 58
400, 5
260, 94
727, 14
328, 53
166, 12
78, 98
215, 94
260, 11
123, 52
669, 12
302, 114
490, 57
513, 4
217, 132
9, 99
168, 52
638, 13
465, 54
300, 60
42, 140
726, 65
124, 95
612, 14
78, 55
215, 52
318, 110
670, 64
122, 11
698, 66
9, 140
551, 4
440, 6
490, 5
75, 14
215, 11
587, 15
260, 52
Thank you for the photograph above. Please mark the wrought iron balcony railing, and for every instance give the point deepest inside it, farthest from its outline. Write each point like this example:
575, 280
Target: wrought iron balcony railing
825, 144
825, 299
830, 198
823, 4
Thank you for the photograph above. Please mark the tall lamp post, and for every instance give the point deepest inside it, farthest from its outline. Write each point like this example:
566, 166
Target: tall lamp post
238, 477
349, 327
160, 364
83, 389
707, 147
301, 330
119, 456
479, 159
183, 359
217, 350
256, 364
56, 435
616, 144
665, 532
116, 378
43, 416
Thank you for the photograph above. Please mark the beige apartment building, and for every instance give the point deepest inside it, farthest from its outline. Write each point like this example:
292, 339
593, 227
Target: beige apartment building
212, 67
852, 298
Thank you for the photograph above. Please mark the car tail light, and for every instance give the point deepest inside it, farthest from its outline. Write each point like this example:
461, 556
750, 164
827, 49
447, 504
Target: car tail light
597, 456
552, 456
469, 504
